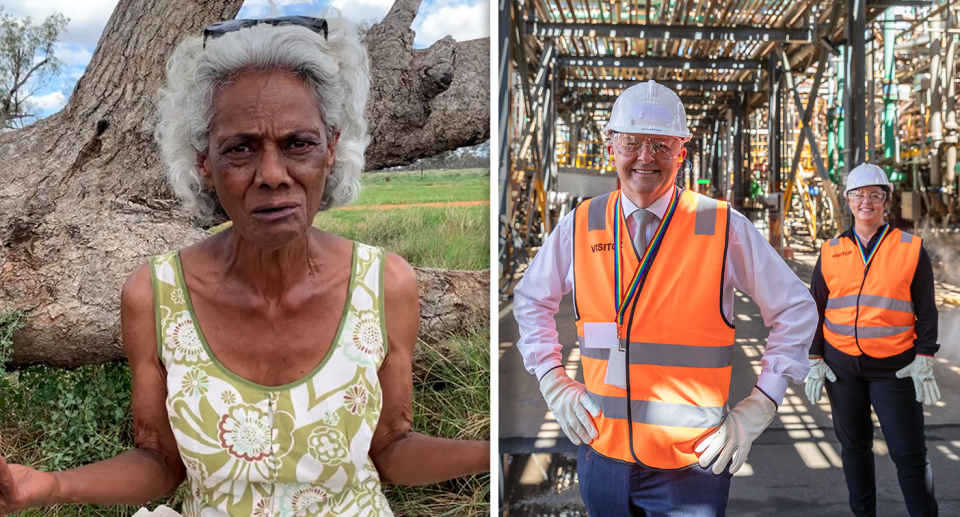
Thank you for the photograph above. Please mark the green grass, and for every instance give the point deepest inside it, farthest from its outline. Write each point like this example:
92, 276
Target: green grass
451, 399
451, 237
55, 419
455, 237
437, 186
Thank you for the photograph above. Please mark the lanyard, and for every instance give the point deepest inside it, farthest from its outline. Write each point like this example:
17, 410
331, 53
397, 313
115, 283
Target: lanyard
622, 301
867, 257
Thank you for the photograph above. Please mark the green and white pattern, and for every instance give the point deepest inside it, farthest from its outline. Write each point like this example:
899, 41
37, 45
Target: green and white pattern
294, 450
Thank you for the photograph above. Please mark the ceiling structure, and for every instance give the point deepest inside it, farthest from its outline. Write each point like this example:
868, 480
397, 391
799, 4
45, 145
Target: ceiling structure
711, 47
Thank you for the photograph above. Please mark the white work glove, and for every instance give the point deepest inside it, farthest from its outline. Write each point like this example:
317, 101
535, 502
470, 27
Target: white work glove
571, 404
737, 432
814, 386
160, 511
921, 369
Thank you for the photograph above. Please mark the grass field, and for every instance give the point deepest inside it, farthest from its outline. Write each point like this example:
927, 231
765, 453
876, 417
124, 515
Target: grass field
438, 186
451, 237
55, 419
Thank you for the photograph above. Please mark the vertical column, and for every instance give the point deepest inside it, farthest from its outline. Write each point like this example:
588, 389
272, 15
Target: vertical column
871, 154
890, 94
843, 108
738, 191
503, 100
548, 152
950, 89
747, 149
936, 100
855, 87
773, 123
715, 157
773, 150
704, 162
832, 119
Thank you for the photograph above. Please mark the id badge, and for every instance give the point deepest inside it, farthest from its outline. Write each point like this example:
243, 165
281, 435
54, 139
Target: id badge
616, 368
600, 335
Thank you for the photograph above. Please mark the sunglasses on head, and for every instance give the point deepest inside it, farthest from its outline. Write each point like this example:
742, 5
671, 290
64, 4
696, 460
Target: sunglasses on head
214, 31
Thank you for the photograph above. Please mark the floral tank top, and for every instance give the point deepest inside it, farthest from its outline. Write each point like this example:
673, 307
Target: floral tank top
294, 450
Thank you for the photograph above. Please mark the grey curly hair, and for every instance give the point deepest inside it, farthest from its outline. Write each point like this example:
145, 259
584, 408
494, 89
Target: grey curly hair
335, 69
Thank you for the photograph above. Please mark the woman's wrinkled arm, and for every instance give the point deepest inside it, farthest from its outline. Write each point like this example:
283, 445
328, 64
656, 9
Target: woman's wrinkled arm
153, 468
401, 455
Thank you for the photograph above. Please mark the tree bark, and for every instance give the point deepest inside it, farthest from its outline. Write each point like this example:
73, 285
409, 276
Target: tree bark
83, 199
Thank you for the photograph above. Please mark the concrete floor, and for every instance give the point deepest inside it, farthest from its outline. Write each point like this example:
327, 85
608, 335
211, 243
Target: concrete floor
794, 467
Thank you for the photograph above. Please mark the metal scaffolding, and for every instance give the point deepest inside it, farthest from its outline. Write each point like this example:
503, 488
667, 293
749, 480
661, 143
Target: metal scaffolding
783, 98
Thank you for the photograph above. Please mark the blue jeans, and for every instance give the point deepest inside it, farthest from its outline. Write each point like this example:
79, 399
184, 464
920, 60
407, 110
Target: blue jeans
612, 488
863, 381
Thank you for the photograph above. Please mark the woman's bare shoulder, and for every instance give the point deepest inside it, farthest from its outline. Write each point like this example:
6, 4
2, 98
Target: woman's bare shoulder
401, 279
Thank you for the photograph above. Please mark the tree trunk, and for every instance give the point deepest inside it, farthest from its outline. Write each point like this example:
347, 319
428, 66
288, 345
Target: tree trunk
83, 199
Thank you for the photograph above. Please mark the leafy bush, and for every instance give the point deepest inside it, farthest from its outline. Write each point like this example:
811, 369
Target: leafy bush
10, 322
81, 415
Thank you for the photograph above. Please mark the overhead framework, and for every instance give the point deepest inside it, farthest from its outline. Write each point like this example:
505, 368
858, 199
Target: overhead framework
783, 98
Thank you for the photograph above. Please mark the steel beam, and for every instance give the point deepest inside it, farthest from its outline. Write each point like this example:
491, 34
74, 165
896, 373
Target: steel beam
898, 3
950, 138
936, 101
687, 100
856, 94
738, 120
773, 123
503, 34
715, 86
732, 33
662, 62
806, 133
929, 16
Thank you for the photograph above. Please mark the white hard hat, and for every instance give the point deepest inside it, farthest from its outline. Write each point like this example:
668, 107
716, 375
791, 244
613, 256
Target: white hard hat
865, 175
648, 108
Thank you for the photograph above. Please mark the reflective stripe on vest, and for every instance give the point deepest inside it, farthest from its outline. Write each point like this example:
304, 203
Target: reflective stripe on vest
679, 373
870, 311
660, 413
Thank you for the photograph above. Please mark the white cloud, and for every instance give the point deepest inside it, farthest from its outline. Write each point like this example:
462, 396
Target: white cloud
463, 22
87, 18
264, 8
73, 55
359, 11
49, 102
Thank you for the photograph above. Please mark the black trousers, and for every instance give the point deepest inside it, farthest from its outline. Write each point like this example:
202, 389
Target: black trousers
863, 381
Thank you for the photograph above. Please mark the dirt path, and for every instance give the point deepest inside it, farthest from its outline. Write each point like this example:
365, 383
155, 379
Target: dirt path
385, 207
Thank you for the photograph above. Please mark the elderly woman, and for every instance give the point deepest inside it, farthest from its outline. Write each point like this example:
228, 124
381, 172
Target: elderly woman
271, 362
875, 343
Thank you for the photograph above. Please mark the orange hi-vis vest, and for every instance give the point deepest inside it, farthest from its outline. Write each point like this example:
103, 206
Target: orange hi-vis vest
681, 346
870, 310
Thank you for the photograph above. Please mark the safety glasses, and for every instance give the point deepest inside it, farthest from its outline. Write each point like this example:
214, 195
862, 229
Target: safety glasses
855, 196
631, 145
318, 25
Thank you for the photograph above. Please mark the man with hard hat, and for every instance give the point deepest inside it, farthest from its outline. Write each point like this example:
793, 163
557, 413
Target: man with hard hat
875, 343
653, 268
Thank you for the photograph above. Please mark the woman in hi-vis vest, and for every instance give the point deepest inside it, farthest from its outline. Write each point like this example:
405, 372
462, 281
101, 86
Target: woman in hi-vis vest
875, 343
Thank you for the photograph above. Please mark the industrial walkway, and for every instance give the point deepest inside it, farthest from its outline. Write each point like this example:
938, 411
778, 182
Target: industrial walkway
794, 467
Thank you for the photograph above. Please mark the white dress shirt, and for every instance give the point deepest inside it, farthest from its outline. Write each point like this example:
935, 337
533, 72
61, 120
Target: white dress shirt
752, 266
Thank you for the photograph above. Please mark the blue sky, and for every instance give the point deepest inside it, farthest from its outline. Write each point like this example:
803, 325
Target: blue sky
462, 19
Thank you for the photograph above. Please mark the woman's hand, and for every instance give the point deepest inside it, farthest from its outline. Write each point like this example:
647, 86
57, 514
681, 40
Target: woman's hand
23, 487
402, 456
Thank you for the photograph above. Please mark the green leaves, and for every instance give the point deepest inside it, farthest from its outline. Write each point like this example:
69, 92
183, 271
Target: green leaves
27, 63
80, 416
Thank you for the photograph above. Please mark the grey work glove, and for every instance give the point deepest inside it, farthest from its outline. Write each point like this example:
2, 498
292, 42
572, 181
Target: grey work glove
921, 369
735, 436
571, 404
814, 383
